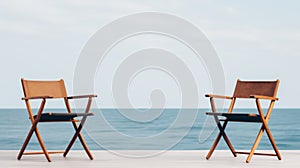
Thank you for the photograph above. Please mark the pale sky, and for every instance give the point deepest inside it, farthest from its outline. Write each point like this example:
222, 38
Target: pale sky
255, 40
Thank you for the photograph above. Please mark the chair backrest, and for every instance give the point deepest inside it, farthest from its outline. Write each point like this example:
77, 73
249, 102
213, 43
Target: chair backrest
33, 88
244, 89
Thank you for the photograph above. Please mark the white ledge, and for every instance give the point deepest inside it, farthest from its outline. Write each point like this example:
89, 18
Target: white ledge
172, 158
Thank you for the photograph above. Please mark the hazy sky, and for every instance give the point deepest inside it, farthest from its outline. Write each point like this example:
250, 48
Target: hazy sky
255, 40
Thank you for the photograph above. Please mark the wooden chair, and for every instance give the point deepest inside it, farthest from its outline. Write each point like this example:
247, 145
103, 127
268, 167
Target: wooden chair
256, 90
44, 90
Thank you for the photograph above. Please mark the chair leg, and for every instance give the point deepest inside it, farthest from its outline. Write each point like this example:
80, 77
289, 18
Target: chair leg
265, 125
78, 129
86, 148
273, 142
72, 140
40, 142
224, 126
29, 135
78, 134
213, 147
42, 145
229, 144
223, 134
256, 142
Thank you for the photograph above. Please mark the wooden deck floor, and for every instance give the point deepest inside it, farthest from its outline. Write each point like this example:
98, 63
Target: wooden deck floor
174, 158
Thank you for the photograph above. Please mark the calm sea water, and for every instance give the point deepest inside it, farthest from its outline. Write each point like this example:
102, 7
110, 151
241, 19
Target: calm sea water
114, 129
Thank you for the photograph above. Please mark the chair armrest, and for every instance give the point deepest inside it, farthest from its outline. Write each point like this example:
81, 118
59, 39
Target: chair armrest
263, 97
37, 97
218, 96
81, 96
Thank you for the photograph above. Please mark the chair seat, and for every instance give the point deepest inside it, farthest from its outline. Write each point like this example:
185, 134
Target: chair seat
61, 116
238, 117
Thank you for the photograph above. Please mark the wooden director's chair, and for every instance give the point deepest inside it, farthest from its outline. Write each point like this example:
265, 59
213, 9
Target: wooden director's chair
249, 90
44, 90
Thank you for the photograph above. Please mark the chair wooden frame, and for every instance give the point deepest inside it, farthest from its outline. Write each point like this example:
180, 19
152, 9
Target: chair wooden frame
44, 90
256, 90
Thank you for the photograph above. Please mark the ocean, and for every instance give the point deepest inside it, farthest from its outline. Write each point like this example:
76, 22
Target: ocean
166, 129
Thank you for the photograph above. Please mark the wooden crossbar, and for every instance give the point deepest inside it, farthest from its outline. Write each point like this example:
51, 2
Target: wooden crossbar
37, 153
265, 154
